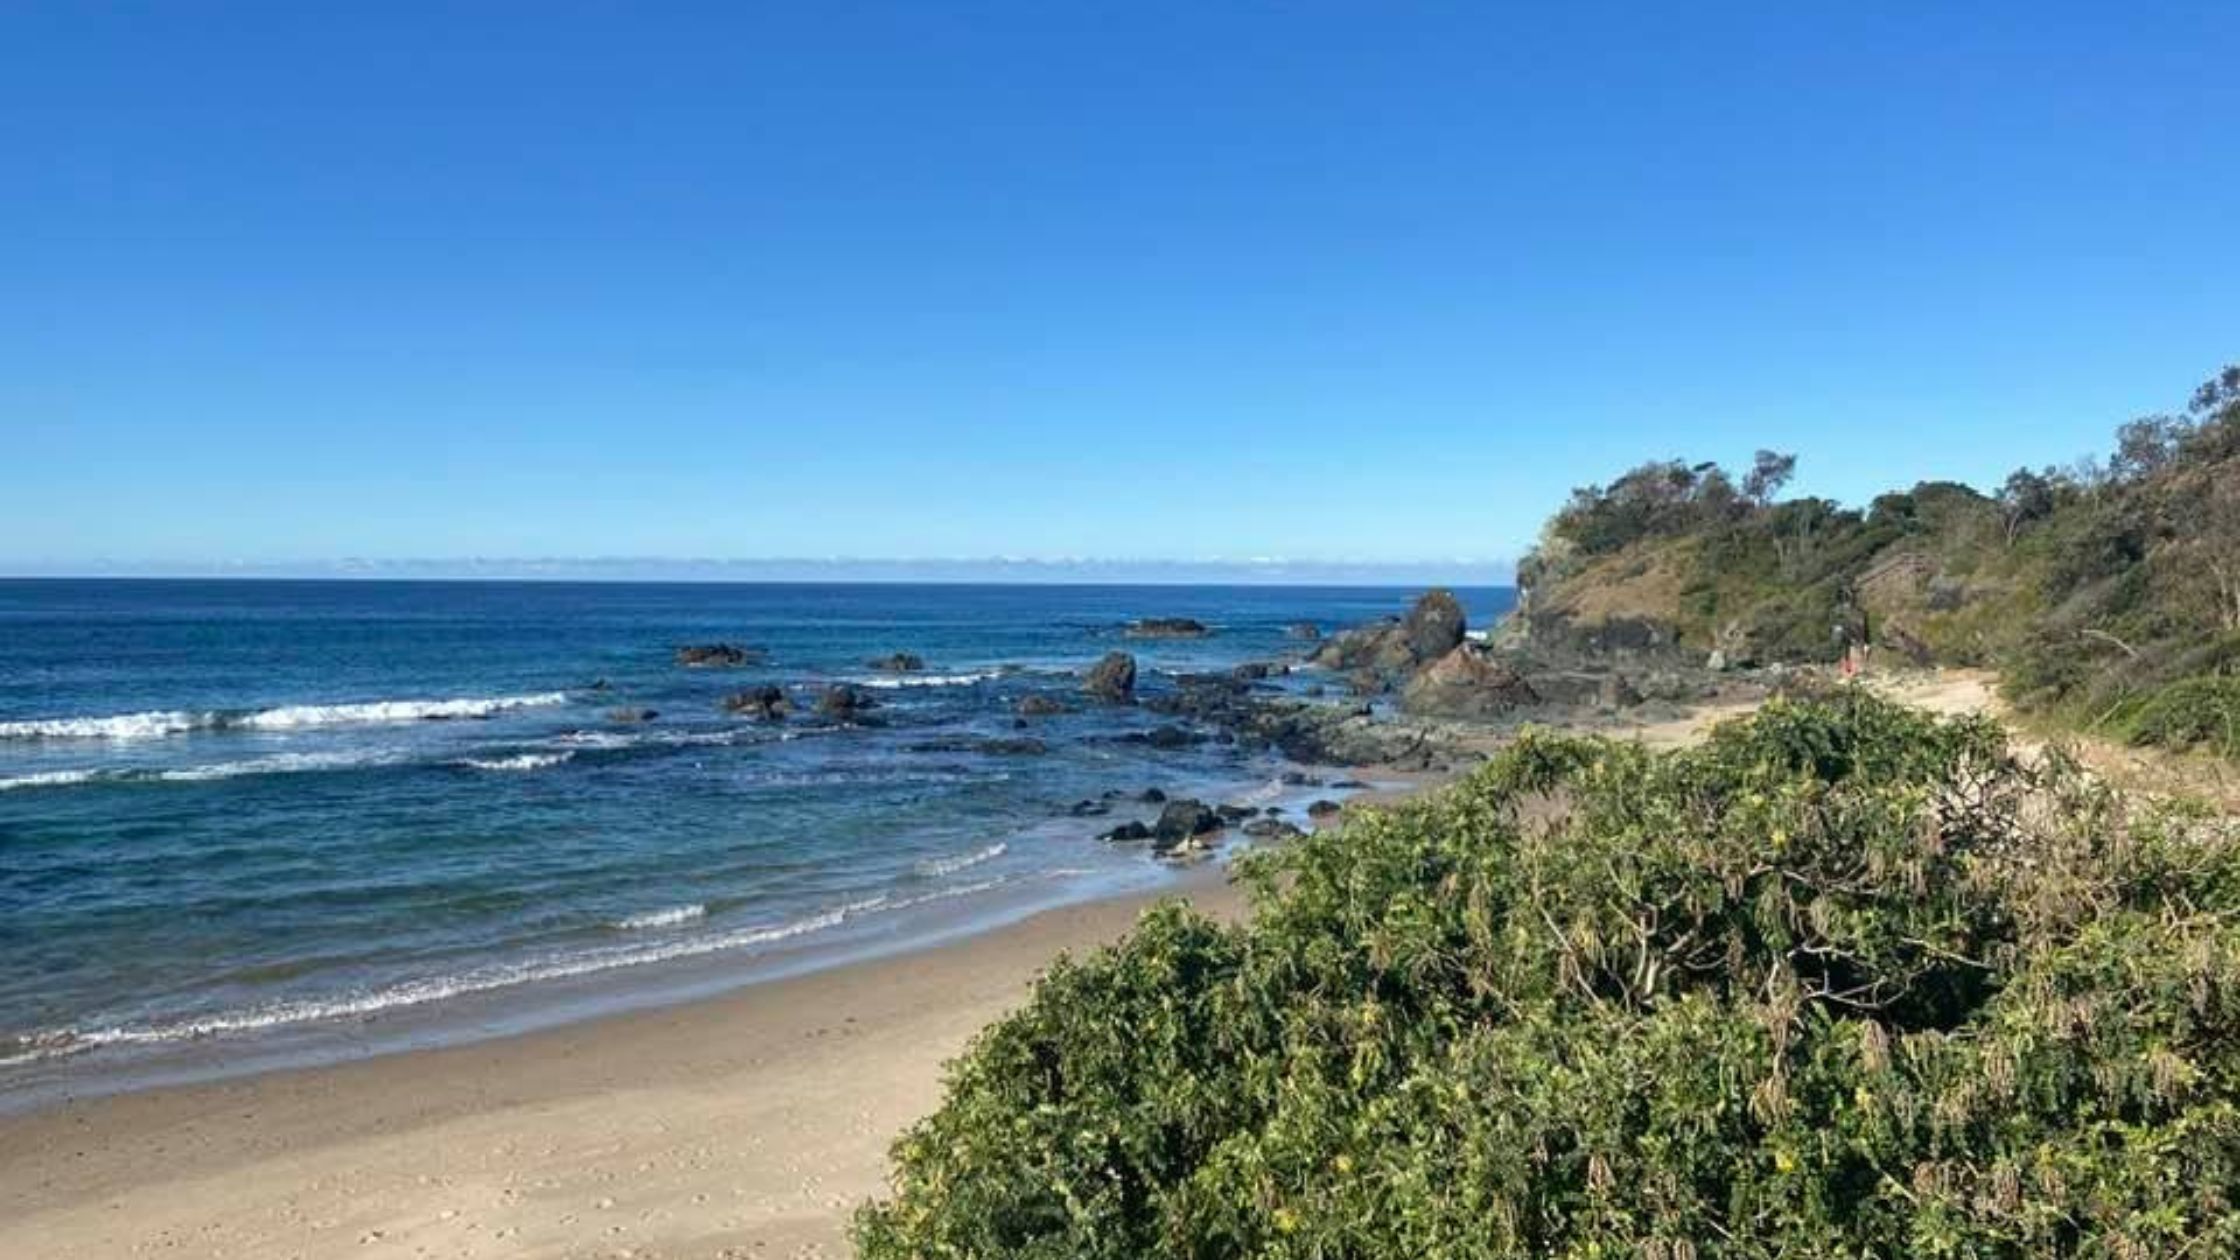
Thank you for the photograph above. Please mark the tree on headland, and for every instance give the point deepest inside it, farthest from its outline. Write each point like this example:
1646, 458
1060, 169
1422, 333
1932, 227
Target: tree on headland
1769, 472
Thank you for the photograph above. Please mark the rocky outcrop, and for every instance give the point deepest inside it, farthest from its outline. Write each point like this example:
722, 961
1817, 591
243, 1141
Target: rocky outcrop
1112, 679
1165, 628
1470, 681
767, 703
898, 663
1301, 730
718, 656
1398, 646
1303, 631
1040, 706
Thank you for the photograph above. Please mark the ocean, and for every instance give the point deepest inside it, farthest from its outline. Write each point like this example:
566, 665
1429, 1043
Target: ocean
247, 824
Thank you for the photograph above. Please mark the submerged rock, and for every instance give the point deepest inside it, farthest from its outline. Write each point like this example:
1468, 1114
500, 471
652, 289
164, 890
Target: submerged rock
1304, 631
718, 656
629, 716
898, 663
845, 703
767, 703
1165, 628
1113, 678
1018, 747
1040, 706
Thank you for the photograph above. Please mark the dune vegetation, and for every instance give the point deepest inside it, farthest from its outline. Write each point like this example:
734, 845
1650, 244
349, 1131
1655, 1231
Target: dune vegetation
1843, 980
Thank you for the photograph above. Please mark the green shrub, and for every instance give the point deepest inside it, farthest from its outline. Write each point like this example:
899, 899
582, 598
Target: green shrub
1843, 981
2196, 713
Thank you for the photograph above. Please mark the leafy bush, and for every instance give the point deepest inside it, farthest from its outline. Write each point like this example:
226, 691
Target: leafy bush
1843, 981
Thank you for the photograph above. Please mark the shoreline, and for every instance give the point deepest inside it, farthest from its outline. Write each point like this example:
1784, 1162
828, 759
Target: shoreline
746, 1123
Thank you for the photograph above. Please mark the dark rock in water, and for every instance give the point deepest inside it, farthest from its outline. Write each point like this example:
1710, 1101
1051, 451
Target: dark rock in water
766, 703
1314, 690
1323, 809
844, 703
1273, 811
1181, 823
1300, 778
1113, 678
1127, 831
898, 663
1271, 829
1041, 706
597, 684
1469, 682
631, 715
1165, 628
985, 747
717, 656
1165, 738
1089, 809
1151, 796
1235, 813
1304, 631
1350, 785
1253, 671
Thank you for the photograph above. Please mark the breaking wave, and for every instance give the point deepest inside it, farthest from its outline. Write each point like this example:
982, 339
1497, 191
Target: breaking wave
158, 723
517, 763
673, 916
893, 682
935, 868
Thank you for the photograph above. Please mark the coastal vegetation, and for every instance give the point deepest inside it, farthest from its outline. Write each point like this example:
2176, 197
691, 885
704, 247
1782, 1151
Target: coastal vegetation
1844, 979
2106, 594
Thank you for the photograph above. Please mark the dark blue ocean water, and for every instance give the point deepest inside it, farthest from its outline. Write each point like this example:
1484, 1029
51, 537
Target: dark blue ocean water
231, 811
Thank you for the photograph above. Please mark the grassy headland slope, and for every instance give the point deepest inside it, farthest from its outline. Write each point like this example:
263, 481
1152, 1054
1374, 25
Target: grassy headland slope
2106, 594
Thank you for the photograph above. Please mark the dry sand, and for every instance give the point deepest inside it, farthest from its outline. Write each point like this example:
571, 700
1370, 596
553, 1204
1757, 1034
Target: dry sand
748, 1125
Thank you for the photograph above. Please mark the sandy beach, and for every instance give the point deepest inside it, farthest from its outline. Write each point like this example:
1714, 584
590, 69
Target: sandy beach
748, 1125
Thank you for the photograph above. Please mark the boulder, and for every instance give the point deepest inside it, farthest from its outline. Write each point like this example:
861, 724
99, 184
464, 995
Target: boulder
1180, 824
1127, 831
1166, 738
1271, 829
898, 663
1252, 671
767, 703
1469, 682
1324, 809
630, 716
1434, 627
717, 656
1089, 809
1235, 813
1165, 628
1040, 706
1303, 631
1151, 796
1113, 678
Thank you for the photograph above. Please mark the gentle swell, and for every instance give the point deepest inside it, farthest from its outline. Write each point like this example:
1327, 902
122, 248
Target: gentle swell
935, 868
160, 723
56, 1043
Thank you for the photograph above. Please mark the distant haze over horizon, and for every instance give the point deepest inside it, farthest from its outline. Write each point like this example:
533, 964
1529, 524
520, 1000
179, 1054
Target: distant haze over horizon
1461, 573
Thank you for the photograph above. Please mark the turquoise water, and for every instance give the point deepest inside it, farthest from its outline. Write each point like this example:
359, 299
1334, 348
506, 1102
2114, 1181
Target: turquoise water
232, 813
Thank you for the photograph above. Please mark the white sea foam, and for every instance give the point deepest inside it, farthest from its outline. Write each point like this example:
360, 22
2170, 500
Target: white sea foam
293, 716
673, 916
278, 763
935, 868
120, 726
157, 723
894, 681
50, 778
519, 763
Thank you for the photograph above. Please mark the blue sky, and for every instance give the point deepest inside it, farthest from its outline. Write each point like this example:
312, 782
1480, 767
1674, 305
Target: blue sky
1355, 282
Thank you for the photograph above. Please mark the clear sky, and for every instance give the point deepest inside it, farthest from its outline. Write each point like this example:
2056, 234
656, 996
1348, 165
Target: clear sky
1362, 282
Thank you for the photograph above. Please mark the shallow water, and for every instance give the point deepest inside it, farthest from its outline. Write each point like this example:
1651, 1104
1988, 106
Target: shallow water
235, 810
